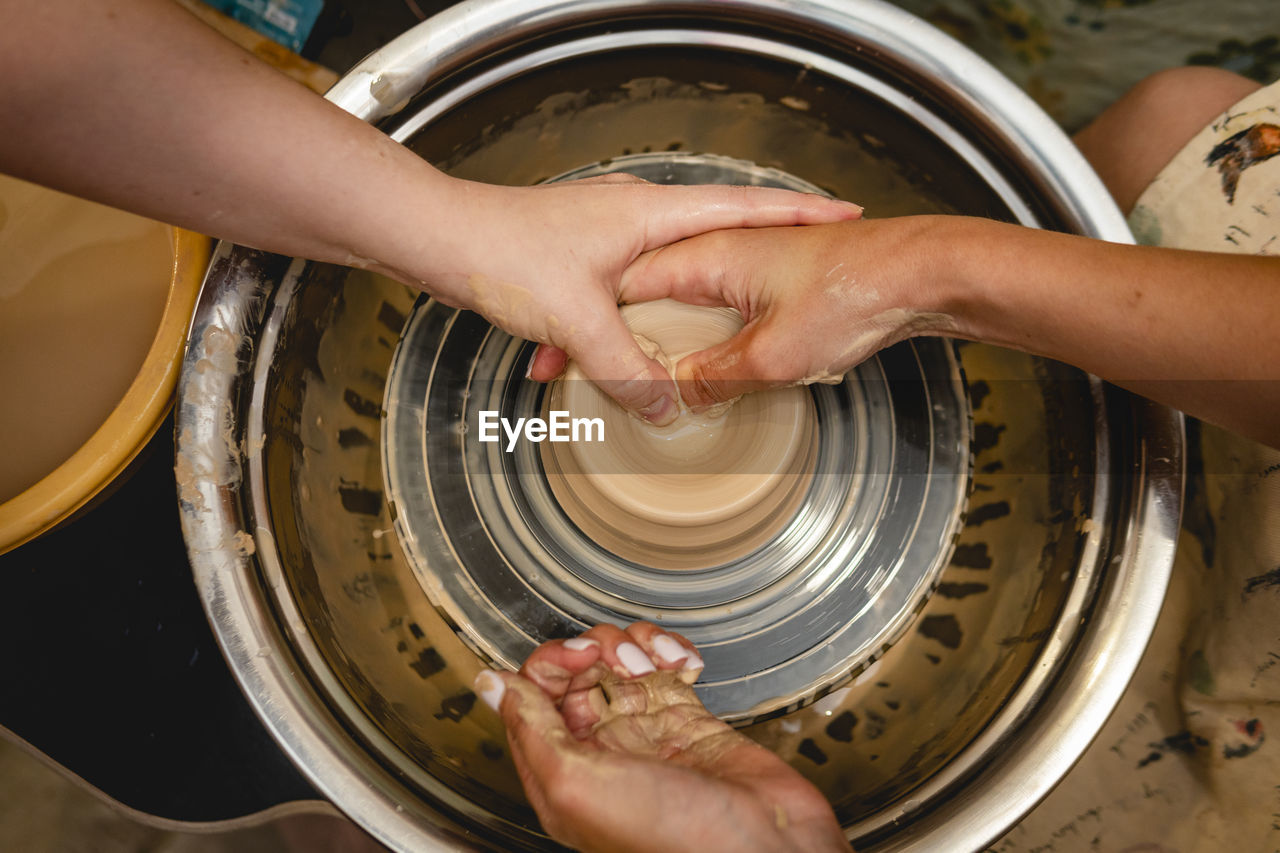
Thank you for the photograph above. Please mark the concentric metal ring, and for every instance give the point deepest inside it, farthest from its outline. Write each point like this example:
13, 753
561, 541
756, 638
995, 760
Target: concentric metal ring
777, 627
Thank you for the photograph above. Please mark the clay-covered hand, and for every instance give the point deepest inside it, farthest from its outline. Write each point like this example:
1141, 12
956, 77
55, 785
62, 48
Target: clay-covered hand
617, 754
816, 301
545, 263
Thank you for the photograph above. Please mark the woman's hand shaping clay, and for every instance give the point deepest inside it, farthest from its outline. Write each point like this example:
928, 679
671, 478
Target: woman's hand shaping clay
815, 301
545, 263
1189, 329
617, 754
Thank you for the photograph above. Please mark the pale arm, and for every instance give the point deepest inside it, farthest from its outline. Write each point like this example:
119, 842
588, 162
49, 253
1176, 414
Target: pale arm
137, 104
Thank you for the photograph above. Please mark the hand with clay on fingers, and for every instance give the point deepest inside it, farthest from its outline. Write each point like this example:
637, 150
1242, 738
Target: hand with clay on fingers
545, 263
815, 301
616, 753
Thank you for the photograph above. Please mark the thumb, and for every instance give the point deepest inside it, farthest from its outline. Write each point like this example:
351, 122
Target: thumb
727, 370
540, 745
610, 357
535, 727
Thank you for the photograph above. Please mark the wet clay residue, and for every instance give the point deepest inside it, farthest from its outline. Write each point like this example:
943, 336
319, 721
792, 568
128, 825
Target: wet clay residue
701, 738
570, 129
702, 491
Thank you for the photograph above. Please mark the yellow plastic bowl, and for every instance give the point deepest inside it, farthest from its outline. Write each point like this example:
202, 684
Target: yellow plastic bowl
68, 224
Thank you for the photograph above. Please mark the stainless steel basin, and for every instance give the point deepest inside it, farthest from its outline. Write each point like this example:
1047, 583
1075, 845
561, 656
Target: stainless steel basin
1051, 561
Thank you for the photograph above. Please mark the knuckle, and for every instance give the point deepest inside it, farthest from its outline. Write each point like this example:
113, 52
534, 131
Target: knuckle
636, 392
710, 389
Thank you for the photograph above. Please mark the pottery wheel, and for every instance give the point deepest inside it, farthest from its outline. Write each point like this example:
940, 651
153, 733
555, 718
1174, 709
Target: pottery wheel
834, 507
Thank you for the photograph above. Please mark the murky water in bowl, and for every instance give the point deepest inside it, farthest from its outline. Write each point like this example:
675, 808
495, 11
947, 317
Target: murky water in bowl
82, 290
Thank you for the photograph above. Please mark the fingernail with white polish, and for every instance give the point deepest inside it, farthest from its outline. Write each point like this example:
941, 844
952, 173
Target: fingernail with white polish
691, 669
634, 659
490, 688
668, 649
580, 644
528, 371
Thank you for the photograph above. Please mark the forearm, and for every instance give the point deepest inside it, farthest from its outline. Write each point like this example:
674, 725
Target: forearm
137, 104
1194, 330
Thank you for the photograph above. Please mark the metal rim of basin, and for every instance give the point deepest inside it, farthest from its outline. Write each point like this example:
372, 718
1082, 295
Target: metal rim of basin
1026, 750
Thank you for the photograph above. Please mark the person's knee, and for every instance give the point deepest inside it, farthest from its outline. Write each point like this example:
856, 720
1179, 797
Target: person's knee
1189, 96
1134, 138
